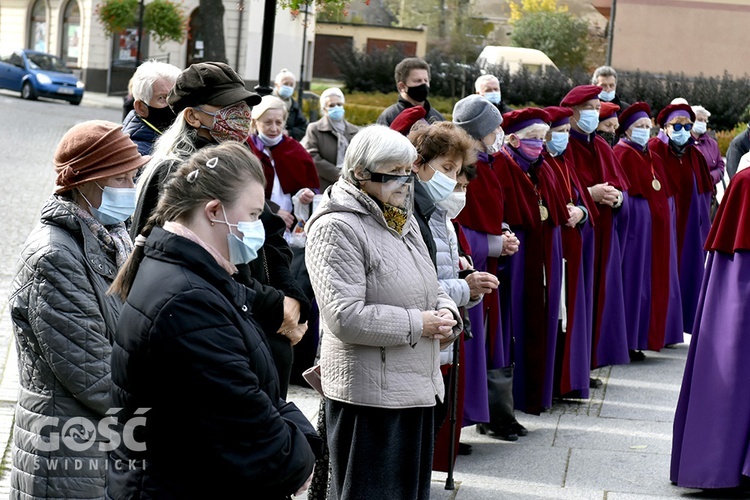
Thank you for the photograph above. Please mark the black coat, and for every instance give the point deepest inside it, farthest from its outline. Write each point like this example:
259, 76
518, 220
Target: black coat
424, 207
187, 348
391, 112
296, 123
737, 148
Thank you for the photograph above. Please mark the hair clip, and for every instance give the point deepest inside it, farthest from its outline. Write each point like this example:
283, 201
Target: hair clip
192, 176
212, 162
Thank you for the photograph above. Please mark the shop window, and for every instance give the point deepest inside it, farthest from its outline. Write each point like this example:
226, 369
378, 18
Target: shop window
71, 34
38, 27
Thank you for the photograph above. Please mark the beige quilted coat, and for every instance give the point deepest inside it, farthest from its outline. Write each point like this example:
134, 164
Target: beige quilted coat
371, 284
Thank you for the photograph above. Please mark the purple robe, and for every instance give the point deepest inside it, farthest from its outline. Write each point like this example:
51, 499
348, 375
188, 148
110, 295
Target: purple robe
636, 273
711, 440
692, 260
674, 328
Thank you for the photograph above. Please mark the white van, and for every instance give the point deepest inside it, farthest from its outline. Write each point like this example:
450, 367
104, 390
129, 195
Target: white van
515, 58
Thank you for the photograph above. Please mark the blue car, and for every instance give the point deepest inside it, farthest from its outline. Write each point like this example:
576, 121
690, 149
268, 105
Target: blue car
36, 74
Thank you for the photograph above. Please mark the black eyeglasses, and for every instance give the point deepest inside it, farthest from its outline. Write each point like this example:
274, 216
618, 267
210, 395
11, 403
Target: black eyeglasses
679, 126
383, 178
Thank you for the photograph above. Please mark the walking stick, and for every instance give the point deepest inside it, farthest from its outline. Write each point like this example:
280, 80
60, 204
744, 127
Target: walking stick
452, 409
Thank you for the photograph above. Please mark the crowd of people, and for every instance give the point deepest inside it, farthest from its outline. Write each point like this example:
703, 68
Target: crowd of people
427, 275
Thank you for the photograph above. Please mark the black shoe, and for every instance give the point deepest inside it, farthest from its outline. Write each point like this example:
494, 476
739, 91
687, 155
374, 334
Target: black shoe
519, 429
497, 432
595, 383
636, 355
464, 449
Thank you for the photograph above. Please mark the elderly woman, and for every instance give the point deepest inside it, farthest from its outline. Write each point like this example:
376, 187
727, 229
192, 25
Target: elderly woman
327, 139
383, 317
607, 128
707, 144
187, 336
63, 319
283, 88
689, 181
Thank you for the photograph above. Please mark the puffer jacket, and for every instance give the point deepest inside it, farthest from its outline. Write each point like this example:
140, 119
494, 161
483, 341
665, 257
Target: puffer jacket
64, 323
187, 351
141, 134
372, 285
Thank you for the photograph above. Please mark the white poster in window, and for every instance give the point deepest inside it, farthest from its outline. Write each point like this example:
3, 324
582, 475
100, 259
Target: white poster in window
74, 41
40, 36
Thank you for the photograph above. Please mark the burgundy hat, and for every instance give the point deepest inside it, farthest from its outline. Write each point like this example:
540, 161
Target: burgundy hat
94, 150
672, 111
579, 95
558, 115
608, 110
407, 118
632, 114
518, 119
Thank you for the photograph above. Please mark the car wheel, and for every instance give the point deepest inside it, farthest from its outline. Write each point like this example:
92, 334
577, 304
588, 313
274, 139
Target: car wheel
76, 102
27, 91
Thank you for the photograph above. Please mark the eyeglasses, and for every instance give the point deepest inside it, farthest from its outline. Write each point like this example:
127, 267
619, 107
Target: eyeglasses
383, 178
679, 126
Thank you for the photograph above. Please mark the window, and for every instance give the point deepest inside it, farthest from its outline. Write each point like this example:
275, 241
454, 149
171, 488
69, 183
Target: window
195, 39
38, 27
71, 34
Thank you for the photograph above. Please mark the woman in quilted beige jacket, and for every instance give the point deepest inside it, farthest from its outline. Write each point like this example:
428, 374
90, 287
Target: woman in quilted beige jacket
383, 317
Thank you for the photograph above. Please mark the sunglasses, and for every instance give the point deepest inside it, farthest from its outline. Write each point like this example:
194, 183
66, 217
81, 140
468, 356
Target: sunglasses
383, 178
679, 126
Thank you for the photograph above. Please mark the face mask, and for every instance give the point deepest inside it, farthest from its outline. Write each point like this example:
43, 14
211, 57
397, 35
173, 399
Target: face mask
270, 141
606, 96
242, 251
558, 143
498, 144
418, 93
285, 91
336, 114
453, 205
161, 118
230, 123
531, 148
588, 120
607, 136
640, 136
493, 97
680, 137
699, 128
117, 205
439, 187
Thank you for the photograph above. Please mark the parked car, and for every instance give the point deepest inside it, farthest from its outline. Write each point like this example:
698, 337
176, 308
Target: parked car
515, 58
36, 74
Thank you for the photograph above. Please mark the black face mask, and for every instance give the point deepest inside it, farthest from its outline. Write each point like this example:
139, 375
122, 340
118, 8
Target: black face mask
418, 93
607, 136
161, 118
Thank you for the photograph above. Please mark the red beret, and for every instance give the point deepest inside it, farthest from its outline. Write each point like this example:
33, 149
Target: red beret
632, 114
579, 95
558, 115
518, 119
608, 110
407, 118
667, 114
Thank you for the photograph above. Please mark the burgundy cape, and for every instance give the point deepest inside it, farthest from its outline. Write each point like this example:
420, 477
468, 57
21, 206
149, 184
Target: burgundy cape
647, 292
489, 348
690, 182
595, 163
532, 280
574, 352
711, 439
293, 165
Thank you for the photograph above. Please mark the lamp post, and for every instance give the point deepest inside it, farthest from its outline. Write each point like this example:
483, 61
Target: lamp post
300, 90
611, 34
141, 8
266, 49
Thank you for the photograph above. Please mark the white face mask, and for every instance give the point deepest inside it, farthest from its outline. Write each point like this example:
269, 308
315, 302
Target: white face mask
453, 205
699, 128
498, 144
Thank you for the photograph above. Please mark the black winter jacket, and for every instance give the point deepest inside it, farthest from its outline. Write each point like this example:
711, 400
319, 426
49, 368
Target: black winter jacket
296, 123
187, 348
391, 112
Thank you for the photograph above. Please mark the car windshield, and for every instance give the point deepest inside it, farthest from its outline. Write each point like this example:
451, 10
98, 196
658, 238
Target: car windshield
47, 62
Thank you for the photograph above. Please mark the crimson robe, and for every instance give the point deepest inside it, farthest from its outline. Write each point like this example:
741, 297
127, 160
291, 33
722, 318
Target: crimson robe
292, 164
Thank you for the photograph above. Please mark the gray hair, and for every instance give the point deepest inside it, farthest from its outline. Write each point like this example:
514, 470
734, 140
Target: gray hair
283, 74
527, 131
604, 71
374, 147
147, 74
702, 111
484, 79
330, 92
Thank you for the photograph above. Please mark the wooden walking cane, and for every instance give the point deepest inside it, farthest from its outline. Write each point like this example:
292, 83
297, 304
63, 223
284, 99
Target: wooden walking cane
452, 410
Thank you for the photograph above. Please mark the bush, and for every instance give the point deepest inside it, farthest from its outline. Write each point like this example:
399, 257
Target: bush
367, 72
724, 137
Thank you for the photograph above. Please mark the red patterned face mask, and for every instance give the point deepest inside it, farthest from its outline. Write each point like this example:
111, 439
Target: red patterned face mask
230, 123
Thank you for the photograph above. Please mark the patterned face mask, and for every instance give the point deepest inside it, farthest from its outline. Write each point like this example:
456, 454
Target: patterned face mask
230, 123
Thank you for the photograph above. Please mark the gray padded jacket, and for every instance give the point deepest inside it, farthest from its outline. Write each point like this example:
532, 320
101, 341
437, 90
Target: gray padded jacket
63, 323
372, 284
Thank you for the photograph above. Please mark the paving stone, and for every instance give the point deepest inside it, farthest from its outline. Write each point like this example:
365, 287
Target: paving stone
582, 432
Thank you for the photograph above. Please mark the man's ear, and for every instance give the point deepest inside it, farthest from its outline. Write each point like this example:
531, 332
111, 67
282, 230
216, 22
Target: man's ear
141, 109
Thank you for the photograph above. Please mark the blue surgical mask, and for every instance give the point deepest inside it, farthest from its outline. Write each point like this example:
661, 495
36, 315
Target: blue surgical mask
680, 137
117, 205
285, 91
558, 143
493, 97
242, 251
607, 96
336, 113
439, 187
589, 120
640, 136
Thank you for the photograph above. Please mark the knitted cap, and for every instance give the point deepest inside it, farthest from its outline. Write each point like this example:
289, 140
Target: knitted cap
477, 116
212, 83
94, 150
